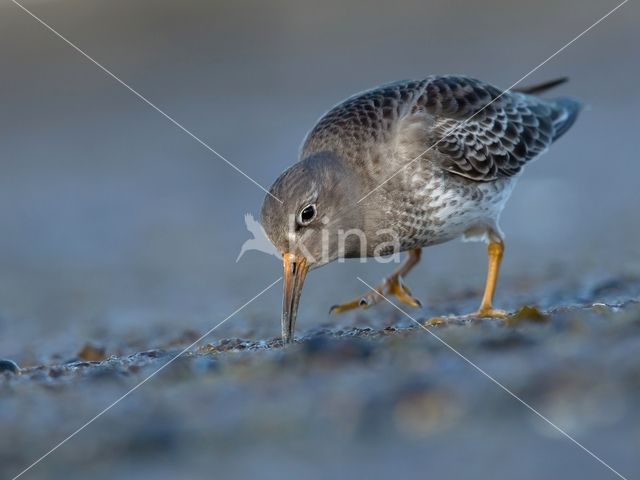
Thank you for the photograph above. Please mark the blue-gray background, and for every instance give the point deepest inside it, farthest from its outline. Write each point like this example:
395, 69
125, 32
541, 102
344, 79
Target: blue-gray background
114, 222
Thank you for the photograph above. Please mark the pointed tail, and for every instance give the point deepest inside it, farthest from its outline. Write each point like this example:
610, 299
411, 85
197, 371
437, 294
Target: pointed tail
567, 111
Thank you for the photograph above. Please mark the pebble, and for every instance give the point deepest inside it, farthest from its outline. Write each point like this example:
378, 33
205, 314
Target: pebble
9, 366
92, 353
528, 313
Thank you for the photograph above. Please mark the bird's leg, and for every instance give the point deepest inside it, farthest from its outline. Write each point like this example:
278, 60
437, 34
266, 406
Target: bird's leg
392, 285
495, 252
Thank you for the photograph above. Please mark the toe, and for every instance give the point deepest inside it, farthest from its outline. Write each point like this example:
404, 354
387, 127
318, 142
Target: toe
491, 313
435, 322
367, 300
345, 307
403, 294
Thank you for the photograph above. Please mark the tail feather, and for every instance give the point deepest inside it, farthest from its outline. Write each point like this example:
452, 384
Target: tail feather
542, 87
567, 111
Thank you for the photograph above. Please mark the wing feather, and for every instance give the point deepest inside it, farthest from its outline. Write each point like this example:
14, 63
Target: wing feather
480, 132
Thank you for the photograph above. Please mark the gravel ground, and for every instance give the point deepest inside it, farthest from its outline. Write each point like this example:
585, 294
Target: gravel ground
379, 400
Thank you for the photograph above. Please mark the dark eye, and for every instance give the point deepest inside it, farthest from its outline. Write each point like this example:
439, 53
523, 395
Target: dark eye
307, 214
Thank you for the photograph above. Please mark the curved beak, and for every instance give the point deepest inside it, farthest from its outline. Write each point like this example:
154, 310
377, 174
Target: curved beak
295, 271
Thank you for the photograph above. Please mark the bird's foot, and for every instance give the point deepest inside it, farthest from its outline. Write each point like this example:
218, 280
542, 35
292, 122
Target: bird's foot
392, 286
490, 312
435, 322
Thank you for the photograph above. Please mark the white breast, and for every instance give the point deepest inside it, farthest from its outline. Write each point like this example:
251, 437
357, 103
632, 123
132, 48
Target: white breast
458, 207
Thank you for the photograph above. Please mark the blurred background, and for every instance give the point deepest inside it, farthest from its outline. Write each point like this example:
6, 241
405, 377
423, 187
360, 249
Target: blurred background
117, 227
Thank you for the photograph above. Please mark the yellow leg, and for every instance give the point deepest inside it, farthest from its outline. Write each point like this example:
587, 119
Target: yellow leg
392, 286
495, 252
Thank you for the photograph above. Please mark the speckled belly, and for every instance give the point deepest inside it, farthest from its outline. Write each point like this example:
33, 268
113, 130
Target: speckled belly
444, 207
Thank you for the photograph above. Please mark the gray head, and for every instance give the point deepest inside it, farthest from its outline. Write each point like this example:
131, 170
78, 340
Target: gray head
316, 201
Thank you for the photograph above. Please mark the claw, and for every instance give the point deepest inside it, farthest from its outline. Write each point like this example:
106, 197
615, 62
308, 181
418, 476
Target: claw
352, 305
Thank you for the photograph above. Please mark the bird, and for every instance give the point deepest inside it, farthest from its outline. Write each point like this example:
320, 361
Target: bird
405, 166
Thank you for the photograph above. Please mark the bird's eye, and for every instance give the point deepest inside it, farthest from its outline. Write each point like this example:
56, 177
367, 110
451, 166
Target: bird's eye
307, 214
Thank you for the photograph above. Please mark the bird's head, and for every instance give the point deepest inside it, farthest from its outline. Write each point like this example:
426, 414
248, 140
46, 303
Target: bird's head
308, 214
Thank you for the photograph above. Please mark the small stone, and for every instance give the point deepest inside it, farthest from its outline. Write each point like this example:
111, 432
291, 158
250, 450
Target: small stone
55, 372
8, 366
527, 313
92, 353
600, 308
149, 353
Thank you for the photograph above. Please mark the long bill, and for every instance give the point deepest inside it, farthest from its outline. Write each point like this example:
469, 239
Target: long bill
295, 271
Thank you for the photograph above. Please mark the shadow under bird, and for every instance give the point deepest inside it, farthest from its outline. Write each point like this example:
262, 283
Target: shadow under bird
405, 166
